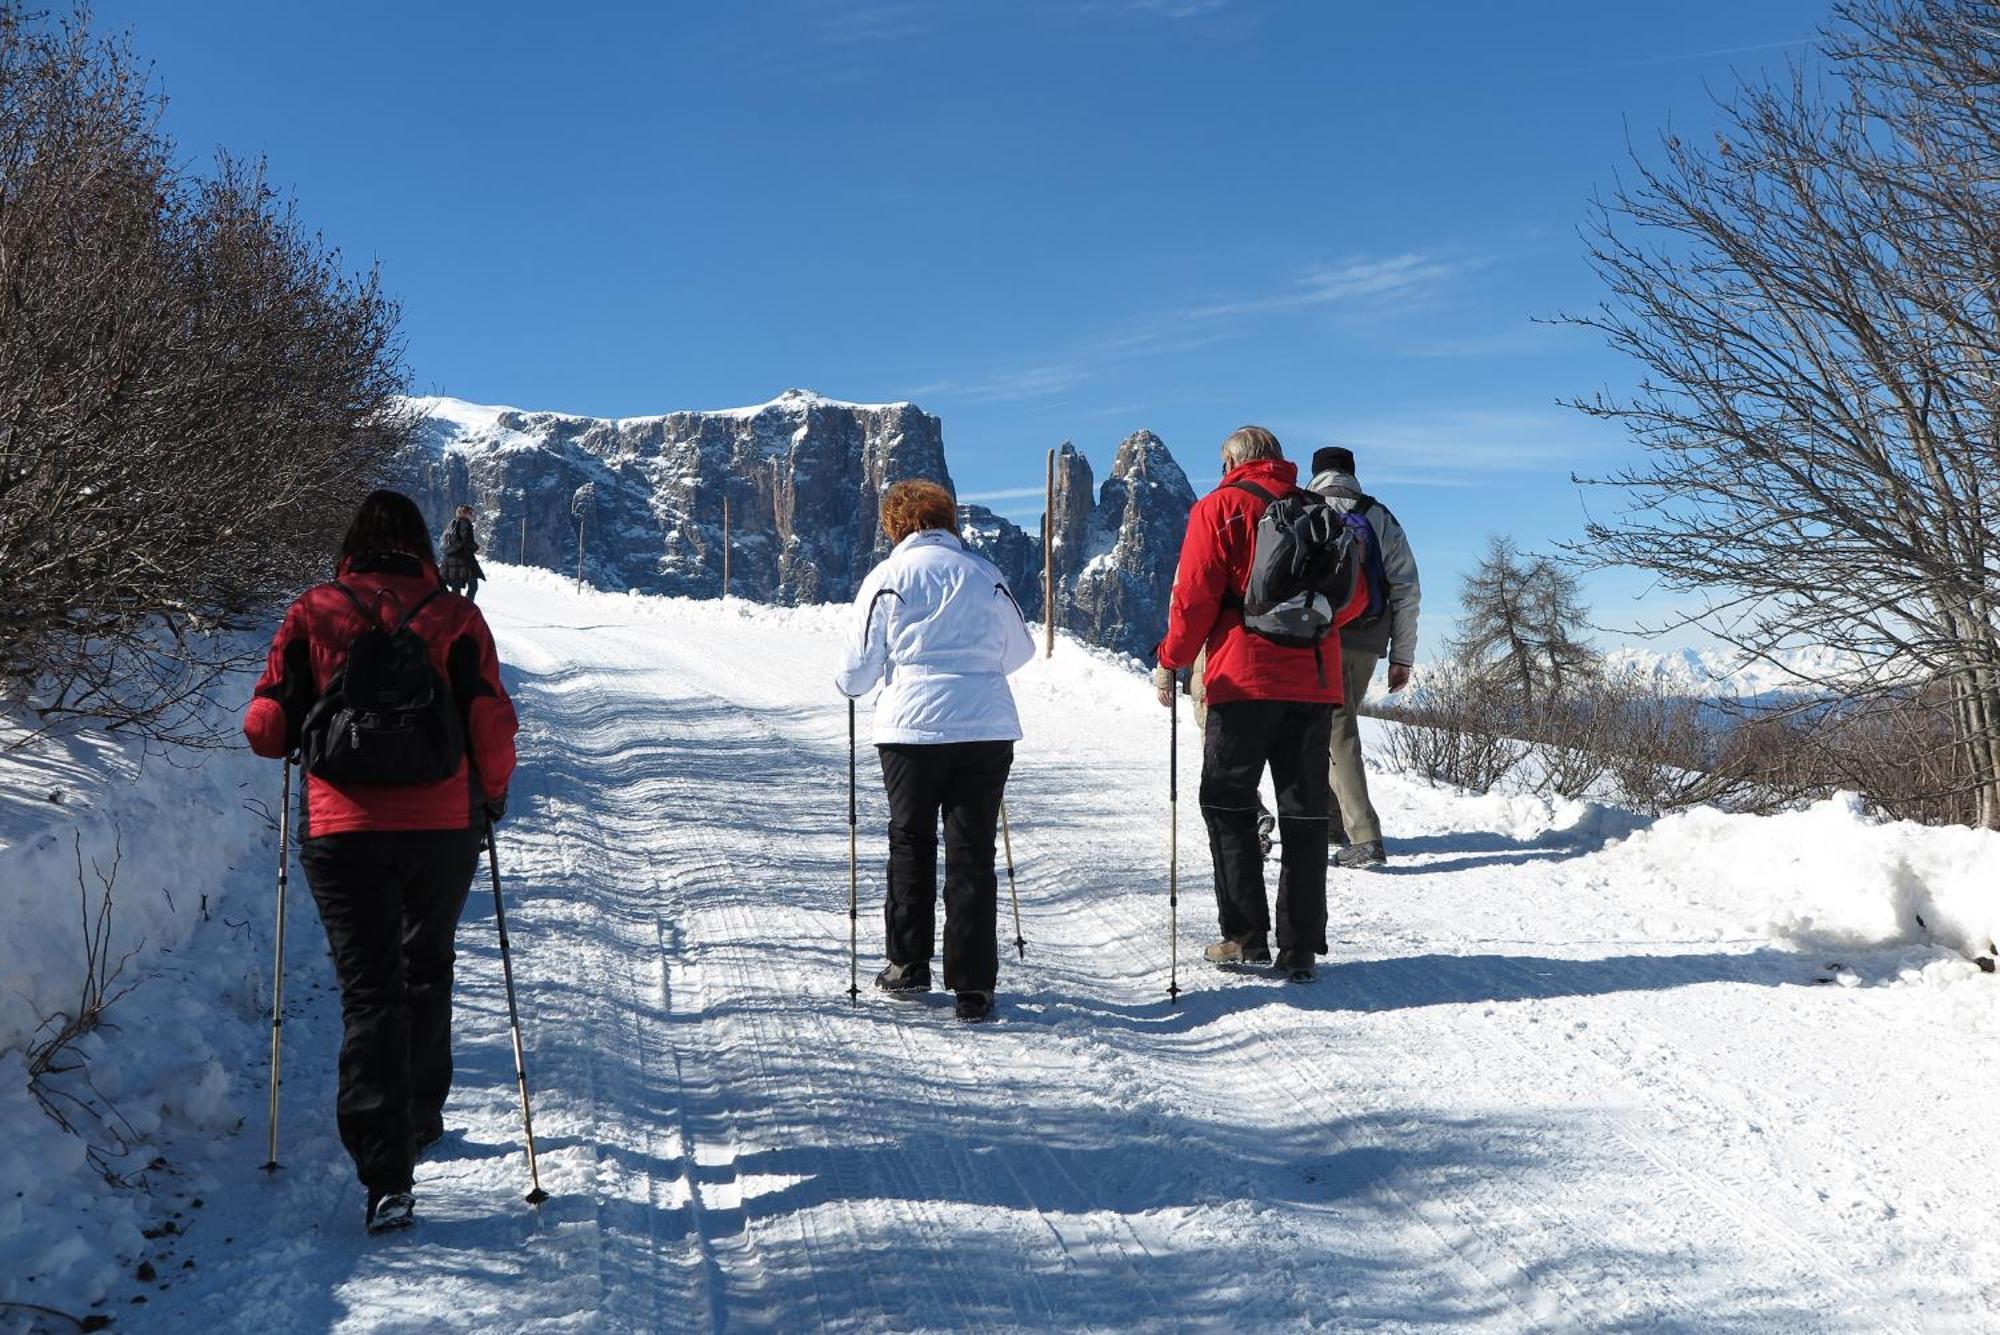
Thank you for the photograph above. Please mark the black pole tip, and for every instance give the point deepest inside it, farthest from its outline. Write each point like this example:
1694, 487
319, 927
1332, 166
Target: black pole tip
537, 1196
1021, 947
272, 1166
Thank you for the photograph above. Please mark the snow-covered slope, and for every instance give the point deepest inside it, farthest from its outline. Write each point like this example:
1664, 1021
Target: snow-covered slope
1565, 1070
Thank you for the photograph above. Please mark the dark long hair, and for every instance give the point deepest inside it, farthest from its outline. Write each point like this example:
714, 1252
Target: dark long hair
388, 521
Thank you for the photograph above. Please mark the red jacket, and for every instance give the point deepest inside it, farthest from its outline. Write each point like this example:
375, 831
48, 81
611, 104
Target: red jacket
1207, 604
312, 644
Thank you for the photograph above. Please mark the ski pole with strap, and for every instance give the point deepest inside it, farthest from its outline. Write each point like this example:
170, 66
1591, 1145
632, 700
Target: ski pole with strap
1007, 842
535, 1193
278, 967
1174, 845
853, 870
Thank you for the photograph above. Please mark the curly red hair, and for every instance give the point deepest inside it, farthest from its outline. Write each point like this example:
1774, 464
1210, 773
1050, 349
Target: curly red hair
911, 507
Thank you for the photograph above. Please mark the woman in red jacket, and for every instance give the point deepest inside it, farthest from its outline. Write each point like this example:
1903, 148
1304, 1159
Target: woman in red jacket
394, 816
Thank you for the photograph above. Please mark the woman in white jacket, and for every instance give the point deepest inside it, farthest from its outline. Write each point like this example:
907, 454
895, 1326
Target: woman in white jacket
938, 628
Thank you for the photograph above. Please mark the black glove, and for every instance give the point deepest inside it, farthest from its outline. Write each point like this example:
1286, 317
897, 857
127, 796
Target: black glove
495, 808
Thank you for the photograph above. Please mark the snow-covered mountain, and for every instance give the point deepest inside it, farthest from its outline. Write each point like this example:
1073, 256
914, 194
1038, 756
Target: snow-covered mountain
1727, 674
804, 476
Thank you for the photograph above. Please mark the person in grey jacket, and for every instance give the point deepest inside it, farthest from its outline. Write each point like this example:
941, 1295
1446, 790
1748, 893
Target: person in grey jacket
1393, 635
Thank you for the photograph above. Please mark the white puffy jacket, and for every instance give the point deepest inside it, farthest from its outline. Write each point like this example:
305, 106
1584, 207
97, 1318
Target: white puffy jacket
937, 626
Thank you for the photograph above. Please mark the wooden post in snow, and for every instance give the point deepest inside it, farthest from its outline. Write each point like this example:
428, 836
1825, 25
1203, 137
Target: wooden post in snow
1049, 563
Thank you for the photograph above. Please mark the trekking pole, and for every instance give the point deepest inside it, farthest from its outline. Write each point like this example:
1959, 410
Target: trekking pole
278, 969
535, 1195
1007, 842
853, 873
1174, 846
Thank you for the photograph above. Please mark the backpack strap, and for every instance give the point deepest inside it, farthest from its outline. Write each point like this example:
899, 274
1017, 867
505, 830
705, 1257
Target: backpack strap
371, 618
1232, 600
355, 598
411, 615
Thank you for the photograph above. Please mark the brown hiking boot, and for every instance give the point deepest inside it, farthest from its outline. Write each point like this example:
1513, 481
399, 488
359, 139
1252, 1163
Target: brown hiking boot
1235, 952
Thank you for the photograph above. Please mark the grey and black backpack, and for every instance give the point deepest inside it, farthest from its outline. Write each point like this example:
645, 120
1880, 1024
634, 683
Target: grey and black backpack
1304, 560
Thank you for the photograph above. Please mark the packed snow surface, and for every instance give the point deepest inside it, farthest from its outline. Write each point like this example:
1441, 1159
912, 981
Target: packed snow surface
1564, 1070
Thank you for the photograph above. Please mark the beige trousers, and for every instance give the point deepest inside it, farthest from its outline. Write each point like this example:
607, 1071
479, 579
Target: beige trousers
1350, 778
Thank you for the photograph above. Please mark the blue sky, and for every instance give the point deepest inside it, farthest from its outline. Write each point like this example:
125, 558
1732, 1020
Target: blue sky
1041, 220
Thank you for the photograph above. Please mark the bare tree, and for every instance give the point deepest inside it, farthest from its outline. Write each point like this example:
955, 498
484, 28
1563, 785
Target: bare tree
194, 392
1522, 625
1812, 301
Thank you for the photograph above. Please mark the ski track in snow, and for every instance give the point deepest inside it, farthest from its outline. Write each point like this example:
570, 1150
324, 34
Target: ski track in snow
1507, 1104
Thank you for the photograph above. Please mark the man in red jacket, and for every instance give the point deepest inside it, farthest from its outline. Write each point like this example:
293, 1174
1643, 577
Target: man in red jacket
1268, 704
390, 863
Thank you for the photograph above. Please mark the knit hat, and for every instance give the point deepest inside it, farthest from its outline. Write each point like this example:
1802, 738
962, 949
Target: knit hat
1334, 459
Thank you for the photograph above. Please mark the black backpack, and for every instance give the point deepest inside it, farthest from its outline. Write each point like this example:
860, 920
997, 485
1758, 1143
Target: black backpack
1304, 561
387, 717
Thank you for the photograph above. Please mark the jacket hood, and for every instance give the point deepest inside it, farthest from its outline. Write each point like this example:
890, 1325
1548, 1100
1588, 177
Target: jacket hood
924, 537
1333, 480
392, 564
1281, 474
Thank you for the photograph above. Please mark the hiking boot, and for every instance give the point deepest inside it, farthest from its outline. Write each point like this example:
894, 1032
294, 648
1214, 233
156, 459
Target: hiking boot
904, 978
974, 1006
1235, 952
1297, 965
1357, 857
1266, 823
390, 1211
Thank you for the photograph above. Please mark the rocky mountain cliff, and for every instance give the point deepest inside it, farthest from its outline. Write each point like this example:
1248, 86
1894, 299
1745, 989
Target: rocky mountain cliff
1114, 552
804, 477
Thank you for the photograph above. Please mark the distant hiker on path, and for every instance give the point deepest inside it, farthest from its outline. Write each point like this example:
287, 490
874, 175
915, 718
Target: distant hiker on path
938, 627
462, 572
1363, 643
1269, 703
397, 799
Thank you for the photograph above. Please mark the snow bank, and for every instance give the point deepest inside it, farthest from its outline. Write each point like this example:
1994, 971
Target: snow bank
183, 837
1829, 876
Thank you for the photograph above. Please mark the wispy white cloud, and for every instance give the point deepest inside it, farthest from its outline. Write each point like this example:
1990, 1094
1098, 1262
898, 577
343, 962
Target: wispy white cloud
1348, 281
1009, 386
1528, 338
1004, 494
1460, 447
1685, 56
868, 24
1173, 9
1362, 282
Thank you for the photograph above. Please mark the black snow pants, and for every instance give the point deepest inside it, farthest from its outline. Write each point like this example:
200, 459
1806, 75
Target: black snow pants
1291, 737
964, 781
390, 902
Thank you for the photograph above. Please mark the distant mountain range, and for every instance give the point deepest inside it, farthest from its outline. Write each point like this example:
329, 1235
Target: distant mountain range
803, 476
1719, 674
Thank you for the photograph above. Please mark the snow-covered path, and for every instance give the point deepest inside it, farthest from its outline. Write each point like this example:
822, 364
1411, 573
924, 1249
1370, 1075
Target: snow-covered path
1531, 1091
